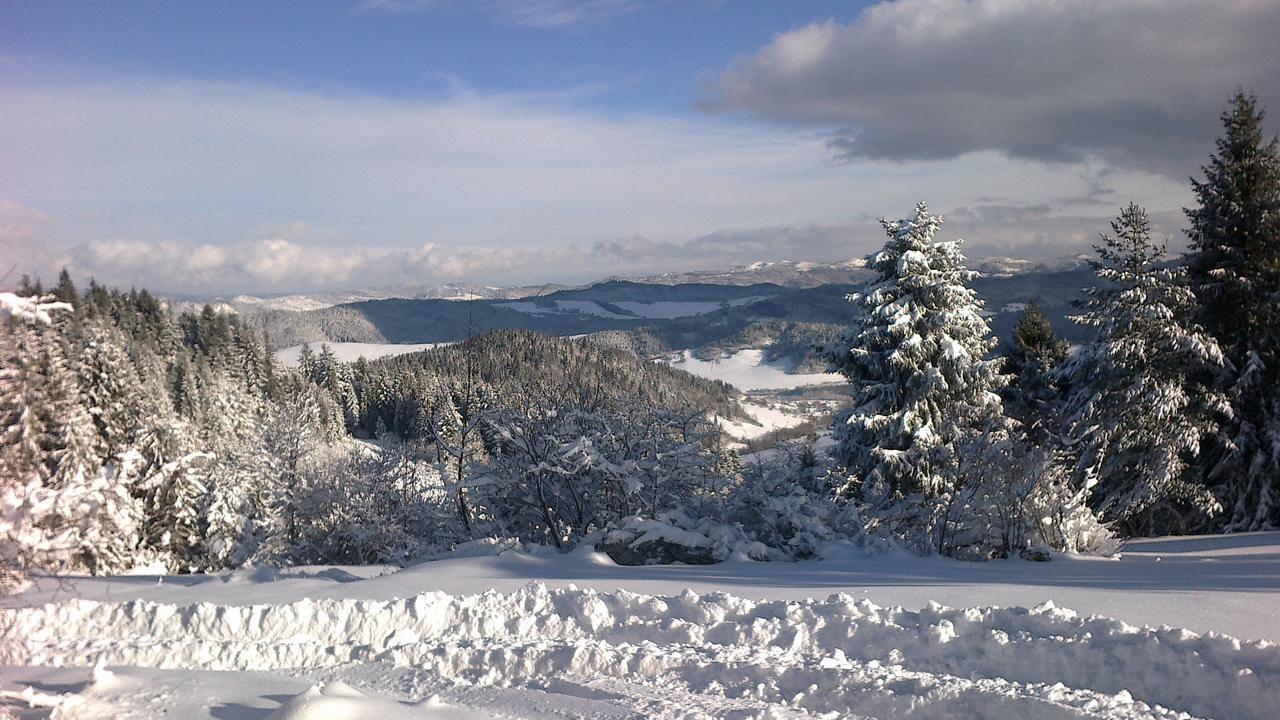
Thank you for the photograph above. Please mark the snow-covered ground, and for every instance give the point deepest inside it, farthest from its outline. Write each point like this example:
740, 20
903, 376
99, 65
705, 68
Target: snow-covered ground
469, 637
352, 351
768, 417
748, 370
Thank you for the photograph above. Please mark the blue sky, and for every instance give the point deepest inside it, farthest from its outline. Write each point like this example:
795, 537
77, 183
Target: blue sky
273, 146
624, 57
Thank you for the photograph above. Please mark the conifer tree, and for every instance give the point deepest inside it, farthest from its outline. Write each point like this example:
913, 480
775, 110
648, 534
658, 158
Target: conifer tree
110, 385
1234, 262
23, 396
1140, 405
1033, 357
917, 359
65, 291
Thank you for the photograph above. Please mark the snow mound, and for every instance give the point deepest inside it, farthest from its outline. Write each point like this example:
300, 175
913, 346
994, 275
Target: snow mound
336, 699
685, 655
29, 309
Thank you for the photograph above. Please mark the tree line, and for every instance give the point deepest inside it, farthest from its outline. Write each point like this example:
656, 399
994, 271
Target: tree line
1168, 420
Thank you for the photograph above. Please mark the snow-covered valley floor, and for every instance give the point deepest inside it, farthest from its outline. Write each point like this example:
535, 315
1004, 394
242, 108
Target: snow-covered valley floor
470, 637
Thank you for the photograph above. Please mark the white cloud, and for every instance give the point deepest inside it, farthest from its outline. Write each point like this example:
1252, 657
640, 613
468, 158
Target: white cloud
18, 222
1139, 82
183, 186
20, 246
261, 262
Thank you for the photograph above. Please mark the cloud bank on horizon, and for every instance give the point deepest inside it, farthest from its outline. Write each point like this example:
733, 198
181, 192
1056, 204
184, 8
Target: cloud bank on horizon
1028, 123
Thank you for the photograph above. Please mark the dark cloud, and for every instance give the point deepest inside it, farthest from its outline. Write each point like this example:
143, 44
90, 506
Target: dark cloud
1137, 83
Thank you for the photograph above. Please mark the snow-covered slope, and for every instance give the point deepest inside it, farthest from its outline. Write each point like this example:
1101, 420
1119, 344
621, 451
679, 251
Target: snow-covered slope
352, 351
748, 370
765, 418
791, 640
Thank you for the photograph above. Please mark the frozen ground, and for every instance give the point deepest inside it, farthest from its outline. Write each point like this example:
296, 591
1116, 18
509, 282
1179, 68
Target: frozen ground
815, 639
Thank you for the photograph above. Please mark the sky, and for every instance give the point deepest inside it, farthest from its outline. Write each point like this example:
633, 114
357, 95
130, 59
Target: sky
272, 147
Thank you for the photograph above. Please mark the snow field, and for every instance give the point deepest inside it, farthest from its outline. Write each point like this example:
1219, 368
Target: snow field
748, 370
352, 351
770, 658
767, 419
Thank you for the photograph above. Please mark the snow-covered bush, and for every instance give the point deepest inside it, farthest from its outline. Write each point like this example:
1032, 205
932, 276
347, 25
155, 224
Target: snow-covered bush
556, 472
369, 507
1018, 495
677, 536
1013, 495
787, 502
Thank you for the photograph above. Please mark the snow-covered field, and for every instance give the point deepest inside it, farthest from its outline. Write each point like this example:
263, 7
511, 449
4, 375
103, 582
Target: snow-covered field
469, 637
352, 351
767, 417
748, 370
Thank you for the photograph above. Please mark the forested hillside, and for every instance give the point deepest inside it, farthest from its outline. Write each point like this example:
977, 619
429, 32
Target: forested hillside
508, 364
132, 436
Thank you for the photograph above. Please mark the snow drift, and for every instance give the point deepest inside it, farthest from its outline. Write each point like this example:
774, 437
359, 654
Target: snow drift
837, 655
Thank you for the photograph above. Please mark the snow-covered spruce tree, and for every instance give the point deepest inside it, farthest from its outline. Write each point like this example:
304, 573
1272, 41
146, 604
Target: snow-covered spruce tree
24, 434
334, 376
59, 509
916, 357
1140, 405
454, 413
109, 382
292, 432
1234, 264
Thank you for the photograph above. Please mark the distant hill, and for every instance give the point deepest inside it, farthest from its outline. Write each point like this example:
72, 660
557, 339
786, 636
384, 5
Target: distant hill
654, 318
788, 273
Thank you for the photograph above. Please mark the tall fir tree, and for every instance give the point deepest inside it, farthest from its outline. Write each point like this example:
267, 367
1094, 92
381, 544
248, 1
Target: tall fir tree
65, 291
1033, 357
1143, 397
917, 358
1234, 262
110, 384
